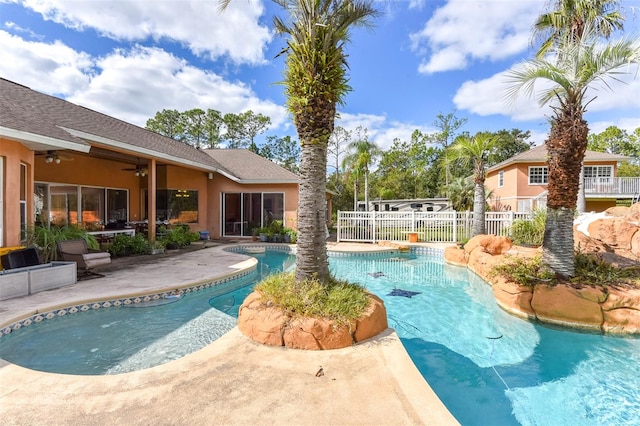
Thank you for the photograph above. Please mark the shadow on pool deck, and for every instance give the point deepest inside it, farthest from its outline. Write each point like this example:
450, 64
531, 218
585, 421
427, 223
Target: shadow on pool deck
231, 381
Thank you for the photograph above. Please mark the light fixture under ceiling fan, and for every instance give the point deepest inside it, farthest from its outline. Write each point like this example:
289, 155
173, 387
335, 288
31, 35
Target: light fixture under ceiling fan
138, 170
54, 157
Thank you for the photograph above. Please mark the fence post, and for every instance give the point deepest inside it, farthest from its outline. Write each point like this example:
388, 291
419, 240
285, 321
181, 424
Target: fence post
413, 221
455, 226
338, 230
373, 223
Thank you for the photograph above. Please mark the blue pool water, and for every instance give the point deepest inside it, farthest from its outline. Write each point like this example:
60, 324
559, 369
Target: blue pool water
488, 367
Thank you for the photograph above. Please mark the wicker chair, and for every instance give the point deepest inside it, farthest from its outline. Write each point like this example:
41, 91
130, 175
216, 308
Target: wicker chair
86, 258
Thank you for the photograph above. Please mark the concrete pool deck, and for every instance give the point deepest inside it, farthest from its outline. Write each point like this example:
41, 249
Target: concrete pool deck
230, 381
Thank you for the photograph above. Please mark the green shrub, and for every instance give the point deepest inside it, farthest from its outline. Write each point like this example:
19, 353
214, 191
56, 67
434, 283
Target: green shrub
339, 300
179, 236
529, 232
526, 271
126, 245
590, 268
45, 239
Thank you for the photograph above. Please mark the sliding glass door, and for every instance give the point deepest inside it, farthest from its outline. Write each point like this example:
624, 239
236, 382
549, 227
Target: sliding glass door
244, 211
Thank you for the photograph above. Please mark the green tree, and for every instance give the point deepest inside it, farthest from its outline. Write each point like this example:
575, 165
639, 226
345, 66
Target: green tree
167, 122
284, 151
474, 151
615, 141
315, 81
362, 156
243, 128
573, 67
194, 127
570, 18
461, 192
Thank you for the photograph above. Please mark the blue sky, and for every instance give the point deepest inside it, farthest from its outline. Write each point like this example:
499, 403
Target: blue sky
132, 58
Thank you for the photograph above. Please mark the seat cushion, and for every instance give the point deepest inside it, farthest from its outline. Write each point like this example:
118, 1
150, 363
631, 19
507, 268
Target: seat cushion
94, 256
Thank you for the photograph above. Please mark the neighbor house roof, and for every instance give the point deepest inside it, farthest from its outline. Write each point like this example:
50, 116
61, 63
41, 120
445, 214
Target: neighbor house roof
538, 154
249, 167
43, 122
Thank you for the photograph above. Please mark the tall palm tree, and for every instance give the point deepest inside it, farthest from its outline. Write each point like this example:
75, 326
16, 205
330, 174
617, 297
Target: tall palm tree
315, 81
572, 16
361, 158
569, 18
474, 151
574, 67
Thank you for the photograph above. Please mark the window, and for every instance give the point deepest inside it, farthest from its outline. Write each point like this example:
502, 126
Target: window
598, 171
500, 178
71, 204
538, 175
23, 201
177, 205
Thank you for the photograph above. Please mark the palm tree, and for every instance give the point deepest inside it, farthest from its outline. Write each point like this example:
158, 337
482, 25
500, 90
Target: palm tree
360, 160
315, 81
474, 151
574, 67
569, 19
461, 191
572, 16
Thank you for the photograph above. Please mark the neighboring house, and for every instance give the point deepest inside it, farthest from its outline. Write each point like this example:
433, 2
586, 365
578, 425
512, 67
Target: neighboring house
520, 183
65, 164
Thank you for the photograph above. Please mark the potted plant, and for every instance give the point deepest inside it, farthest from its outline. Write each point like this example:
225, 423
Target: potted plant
157, 247
254, 234
262, 232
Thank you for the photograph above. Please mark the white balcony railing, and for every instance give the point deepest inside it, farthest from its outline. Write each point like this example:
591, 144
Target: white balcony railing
622, 186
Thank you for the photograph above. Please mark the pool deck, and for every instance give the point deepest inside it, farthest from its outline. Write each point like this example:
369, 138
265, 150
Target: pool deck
232, 381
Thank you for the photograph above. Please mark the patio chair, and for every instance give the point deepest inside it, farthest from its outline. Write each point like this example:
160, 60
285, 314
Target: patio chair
86, 258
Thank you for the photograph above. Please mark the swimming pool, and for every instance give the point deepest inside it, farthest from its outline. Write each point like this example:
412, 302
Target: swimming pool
487, 366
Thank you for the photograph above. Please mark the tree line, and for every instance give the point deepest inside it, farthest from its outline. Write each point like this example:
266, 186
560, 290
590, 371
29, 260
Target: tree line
211, 129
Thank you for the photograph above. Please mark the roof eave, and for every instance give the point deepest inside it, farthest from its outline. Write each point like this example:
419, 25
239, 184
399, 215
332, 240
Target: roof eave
143, 151
40, 143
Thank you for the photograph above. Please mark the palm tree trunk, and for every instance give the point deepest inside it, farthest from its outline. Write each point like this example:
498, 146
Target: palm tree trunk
478, 227
366, 191
557, 246
566, 147
311, 256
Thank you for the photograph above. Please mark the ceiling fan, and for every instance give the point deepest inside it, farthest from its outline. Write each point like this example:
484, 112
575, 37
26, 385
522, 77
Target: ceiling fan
139, 170
54, 157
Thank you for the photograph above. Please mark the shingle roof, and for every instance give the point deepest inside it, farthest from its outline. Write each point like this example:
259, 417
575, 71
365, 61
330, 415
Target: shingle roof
35, 113
538, 154
250, 167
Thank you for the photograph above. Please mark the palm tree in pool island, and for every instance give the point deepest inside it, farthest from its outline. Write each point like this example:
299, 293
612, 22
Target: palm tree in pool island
573, 68
316, 81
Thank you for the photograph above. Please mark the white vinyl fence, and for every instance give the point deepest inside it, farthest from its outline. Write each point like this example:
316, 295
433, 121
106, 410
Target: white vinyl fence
437, 227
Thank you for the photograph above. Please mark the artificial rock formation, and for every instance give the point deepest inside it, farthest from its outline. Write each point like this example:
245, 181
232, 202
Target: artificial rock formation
610, 309
267, 324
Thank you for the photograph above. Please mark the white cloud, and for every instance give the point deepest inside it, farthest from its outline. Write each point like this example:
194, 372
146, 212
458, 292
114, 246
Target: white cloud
379, 129
625, 123
463, 30
488, 97
134, 85
128, 84
196, 24
27, 62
